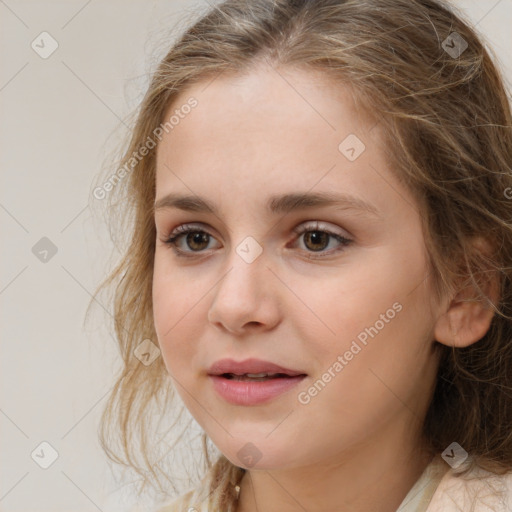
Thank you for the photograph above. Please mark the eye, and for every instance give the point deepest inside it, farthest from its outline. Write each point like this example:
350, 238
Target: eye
316, 240
194, 237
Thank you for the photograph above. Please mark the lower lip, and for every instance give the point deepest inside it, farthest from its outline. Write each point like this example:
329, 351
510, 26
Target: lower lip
244, 392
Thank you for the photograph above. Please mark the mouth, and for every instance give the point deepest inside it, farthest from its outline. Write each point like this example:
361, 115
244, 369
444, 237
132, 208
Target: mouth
253, 381
247, 390
258, 377
251, 369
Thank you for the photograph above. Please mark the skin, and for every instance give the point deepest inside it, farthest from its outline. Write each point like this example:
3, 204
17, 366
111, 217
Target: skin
356, 445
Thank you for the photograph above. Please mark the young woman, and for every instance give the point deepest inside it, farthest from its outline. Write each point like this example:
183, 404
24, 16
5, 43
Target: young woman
319, 197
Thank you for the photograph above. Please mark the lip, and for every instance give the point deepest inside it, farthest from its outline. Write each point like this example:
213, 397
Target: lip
252, 392
249, 366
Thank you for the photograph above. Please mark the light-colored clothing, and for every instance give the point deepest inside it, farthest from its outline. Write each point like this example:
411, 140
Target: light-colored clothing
438, 489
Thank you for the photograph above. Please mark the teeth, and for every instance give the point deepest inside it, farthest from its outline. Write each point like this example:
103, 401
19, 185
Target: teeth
262, 375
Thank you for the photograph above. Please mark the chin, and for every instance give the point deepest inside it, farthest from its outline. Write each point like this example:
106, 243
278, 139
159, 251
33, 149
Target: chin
261, 455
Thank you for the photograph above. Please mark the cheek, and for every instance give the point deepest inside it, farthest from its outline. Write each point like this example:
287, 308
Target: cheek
374, 311
173, 294
178, 314
338, 307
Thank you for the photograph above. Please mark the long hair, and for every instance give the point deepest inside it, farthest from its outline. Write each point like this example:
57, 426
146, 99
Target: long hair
424, 74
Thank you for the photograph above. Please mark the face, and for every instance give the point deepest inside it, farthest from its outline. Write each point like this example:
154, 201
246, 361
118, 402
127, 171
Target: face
334, 291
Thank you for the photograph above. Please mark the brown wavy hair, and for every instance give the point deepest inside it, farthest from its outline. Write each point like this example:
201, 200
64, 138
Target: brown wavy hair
446, 122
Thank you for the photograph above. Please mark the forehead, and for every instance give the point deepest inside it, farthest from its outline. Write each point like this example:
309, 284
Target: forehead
266, 99
269, 128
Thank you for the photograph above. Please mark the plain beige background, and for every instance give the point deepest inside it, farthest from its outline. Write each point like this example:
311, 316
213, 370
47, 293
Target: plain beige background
60, 118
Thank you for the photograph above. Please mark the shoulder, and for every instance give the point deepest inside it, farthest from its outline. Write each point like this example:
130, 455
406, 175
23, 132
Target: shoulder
188, 502
476, 491
180, 504
194, 500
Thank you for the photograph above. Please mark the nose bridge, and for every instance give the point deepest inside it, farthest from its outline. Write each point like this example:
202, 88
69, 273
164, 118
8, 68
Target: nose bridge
245, 293
246, 253
247, 265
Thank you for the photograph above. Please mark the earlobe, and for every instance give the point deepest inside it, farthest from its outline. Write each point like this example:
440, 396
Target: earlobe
468, 319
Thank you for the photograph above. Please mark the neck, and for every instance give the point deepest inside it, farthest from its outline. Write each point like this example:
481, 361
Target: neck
376, 476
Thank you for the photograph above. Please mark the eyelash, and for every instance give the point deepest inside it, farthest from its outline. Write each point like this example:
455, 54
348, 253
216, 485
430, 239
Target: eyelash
186, 229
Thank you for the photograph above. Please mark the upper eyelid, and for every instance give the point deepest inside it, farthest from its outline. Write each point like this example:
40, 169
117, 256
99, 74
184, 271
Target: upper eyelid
307, 225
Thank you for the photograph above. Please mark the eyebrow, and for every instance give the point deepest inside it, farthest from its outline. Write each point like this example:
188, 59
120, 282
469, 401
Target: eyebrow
277, 204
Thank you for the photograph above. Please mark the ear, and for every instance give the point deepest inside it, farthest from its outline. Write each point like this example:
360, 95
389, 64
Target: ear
468, 319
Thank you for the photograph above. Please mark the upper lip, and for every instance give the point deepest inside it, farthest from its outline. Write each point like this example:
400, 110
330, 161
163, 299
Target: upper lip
249, 366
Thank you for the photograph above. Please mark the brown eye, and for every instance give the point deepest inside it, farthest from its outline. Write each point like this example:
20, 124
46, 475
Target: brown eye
316, 240
196, 240
197, 237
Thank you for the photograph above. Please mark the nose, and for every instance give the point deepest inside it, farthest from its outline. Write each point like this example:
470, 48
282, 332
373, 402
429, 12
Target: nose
246, 297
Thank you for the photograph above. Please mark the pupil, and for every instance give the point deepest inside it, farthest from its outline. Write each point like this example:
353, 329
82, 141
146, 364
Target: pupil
317, 237
197, 237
